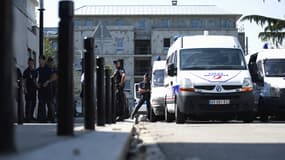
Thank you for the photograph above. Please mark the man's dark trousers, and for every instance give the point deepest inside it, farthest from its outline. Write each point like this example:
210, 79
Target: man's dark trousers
30, 98
44, 101
141, 101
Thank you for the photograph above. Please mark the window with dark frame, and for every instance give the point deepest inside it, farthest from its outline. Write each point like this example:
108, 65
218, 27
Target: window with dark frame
166, 42
142, 66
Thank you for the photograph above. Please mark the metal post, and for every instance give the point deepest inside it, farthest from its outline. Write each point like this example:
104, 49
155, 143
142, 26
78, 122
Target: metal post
108, 96
7, 69
65, 98
114, 100
89, 97
82, 85
100, 92
41, 29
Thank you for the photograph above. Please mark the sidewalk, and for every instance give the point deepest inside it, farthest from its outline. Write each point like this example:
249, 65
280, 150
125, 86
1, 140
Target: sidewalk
40, 142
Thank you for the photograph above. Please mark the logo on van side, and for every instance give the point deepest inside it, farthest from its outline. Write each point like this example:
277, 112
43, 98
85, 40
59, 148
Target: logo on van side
217, 75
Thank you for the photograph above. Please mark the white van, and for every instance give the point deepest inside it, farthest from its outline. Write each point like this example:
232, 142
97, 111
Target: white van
157, 89
207, 78
267, 68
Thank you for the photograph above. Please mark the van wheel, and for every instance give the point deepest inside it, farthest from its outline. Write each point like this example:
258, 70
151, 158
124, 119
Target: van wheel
248, 117
169, 117
179, 116
263, 114
264, 118
152, 116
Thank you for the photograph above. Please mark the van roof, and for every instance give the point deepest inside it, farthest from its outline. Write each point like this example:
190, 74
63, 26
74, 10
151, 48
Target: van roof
158, 65
210, 42
271, 54
206, 41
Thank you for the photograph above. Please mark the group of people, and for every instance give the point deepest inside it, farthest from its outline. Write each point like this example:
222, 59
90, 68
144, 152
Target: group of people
144, 90
39, 85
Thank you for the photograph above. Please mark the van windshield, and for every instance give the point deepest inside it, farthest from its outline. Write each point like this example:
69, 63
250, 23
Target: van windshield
158, 78
212, 59
274, 67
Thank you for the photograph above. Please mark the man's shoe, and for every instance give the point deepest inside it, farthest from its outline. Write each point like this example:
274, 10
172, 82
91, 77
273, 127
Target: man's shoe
119, 119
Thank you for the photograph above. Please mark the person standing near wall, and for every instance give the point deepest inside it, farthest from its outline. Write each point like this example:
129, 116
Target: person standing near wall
120, 78
30, 89
45, 77
53, 85
19, 92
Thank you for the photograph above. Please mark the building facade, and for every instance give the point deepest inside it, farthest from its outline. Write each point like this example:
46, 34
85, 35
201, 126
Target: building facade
25, 36
139, 34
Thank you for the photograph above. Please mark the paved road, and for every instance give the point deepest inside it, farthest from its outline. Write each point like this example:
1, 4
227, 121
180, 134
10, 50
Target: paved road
214, 141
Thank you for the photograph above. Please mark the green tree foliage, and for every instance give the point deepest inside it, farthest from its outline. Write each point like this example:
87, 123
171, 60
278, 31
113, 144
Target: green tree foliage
274, 28
49, 50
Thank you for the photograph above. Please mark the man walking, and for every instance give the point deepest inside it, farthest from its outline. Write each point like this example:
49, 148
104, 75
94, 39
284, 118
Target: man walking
30, 89
145, 91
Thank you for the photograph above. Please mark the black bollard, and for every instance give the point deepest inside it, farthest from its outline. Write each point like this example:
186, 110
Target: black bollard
7, 70
89, 97
82, 86
65, 97
100, 92
108, 99
114, 100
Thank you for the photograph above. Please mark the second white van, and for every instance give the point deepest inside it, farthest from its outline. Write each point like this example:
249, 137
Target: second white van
157, 90
267, 68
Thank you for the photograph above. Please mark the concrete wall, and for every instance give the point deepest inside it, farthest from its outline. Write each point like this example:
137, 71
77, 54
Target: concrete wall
147, 23
124, 30
154, 28
119, 46
25, 32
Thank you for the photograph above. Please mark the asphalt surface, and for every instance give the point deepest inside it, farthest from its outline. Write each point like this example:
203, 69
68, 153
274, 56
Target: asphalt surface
213, 141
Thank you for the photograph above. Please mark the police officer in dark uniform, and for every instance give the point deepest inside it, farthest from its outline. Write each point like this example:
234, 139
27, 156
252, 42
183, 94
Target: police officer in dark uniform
52, 85
30, 89
45, 77
18, 80
19, 94
120, 77
145, 91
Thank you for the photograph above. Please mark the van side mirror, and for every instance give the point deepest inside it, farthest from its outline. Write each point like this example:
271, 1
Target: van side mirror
253, 71
256, 75
171, 70
260, 79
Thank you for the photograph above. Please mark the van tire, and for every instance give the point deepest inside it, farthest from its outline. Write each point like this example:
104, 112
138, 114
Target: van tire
264, 118
263, 114
179, 116
169, 117
248, 117
152, 115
